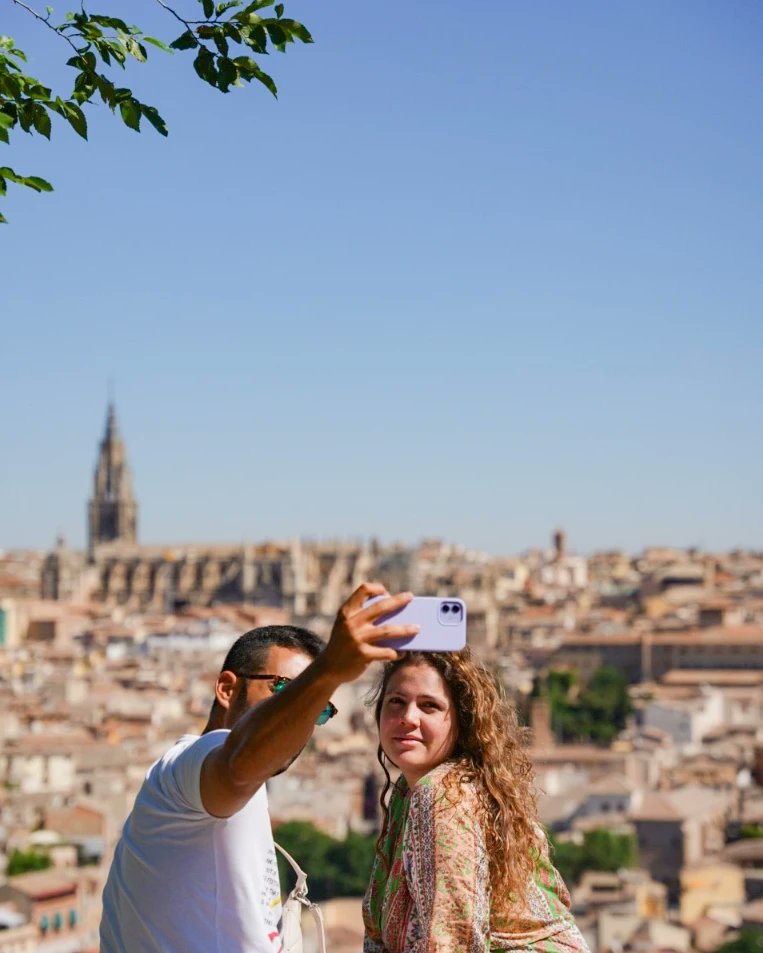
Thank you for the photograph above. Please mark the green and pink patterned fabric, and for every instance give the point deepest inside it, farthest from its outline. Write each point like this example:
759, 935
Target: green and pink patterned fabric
434, 896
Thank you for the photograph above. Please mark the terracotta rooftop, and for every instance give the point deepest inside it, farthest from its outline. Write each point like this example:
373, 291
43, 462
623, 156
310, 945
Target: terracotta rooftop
44, 884
735, 677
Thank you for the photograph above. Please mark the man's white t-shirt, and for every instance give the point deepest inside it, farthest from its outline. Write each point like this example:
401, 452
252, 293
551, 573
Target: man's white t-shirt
183, 881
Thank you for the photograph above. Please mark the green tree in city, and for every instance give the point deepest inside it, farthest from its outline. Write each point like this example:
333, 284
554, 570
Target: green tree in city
224, 39
594, 712
24, 861
751, 831
601, 849
334, 868
748, 941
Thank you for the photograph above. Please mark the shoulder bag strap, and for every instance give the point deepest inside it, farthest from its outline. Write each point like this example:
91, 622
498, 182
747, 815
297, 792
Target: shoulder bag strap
299, 893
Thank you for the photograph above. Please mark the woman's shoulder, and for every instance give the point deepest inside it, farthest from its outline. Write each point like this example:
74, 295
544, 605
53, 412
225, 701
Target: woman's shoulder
447, 787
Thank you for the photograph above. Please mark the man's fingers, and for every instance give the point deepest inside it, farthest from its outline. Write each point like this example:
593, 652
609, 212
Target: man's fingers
384, 607
391, 631
379, 654
365, 591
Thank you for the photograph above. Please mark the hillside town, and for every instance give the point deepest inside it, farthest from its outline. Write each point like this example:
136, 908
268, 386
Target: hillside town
639, 676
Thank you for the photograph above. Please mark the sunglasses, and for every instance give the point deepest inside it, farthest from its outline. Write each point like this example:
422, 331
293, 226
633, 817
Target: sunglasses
281, 681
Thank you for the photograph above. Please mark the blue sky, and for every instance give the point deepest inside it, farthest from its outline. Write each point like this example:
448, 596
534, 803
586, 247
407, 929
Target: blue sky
483, 269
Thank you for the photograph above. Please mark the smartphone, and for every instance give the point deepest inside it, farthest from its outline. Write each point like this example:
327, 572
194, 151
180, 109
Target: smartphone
442, 620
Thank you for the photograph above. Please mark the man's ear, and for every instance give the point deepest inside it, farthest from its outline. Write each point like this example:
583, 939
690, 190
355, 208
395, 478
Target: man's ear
225, 689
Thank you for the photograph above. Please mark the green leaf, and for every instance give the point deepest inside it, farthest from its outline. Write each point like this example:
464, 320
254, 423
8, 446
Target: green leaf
42, 121
209, 8
296, 29
223, 7
76, 119
204, 64
3, 219
130, 111
261, 76
186, 41
256, 38
113, 22
36, 183
26, 116
279, 10
227, 73
276, 34
136, 50
221, 43
152, 115
154, 42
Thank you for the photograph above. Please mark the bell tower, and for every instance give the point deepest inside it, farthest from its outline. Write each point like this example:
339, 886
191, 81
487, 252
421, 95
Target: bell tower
112, 510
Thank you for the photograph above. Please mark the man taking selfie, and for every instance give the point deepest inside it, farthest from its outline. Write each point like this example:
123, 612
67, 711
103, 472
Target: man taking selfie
195, 869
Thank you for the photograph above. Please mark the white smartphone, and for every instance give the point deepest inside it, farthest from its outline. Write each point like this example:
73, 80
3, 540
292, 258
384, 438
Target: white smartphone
442, 620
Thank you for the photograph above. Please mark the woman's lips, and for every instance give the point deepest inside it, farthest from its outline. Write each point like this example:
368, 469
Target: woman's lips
408, 742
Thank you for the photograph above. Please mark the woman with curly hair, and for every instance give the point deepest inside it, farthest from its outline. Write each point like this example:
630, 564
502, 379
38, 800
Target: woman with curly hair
462, 863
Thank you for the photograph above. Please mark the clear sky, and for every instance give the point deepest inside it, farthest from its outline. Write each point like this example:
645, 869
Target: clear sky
483, 269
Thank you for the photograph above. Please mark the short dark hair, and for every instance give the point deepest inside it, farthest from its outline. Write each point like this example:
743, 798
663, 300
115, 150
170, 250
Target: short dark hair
250, 651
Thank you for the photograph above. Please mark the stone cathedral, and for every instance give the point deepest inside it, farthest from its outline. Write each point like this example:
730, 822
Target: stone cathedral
112, 513
305, 579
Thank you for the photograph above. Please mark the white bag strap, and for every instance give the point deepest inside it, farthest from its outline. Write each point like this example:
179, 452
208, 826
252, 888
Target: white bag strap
299, 893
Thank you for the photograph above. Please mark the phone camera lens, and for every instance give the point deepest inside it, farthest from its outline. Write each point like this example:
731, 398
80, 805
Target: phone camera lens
445, 607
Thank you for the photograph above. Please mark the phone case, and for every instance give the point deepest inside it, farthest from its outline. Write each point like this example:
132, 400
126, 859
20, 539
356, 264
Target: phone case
442, 621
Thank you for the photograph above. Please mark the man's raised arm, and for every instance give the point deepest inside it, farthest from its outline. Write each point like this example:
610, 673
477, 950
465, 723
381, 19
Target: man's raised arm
269, 736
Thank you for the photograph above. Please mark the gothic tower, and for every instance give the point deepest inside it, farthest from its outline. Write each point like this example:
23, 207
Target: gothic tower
112, 511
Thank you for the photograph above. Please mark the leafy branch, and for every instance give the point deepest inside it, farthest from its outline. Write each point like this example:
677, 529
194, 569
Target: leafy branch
225, 41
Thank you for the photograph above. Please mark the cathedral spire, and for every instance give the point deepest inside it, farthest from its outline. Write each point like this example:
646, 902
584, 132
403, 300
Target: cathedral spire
112, 510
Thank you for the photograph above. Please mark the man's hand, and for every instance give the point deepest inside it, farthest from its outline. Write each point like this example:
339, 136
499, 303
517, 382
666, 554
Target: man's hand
272, 732
352, 646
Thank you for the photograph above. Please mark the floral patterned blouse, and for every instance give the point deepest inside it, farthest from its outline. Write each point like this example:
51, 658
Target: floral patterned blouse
435, 895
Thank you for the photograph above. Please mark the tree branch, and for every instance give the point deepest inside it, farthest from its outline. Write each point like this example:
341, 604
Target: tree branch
186, 23
48, 24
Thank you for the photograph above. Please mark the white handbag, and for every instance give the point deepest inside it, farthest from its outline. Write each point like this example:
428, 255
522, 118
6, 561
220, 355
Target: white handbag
291, 923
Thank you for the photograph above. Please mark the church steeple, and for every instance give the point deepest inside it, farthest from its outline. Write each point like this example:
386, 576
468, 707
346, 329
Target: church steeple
112, 511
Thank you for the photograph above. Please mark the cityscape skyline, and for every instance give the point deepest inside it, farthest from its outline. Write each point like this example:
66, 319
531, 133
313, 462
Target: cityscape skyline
123, 474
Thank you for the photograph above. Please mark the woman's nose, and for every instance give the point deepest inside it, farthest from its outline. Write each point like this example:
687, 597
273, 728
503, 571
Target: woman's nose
409, 715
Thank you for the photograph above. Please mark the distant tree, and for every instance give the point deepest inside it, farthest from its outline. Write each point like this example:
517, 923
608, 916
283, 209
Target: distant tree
568, 860
601, 850
605, 850
751, 831
595, 712
352, 859
24, 861
223, 37
334, 868
748, 941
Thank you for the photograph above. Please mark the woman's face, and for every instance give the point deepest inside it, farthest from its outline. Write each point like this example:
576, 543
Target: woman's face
418, 726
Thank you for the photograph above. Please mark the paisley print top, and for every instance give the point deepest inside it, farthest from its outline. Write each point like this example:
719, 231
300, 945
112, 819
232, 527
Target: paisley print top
434, 896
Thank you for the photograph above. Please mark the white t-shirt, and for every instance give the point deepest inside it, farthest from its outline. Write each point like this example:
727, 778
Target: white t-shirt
183, 881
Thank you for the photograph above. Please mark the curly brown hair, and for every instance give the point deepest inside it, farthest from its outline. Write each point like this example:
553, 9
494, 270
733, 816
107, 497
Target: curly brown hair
490, 754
